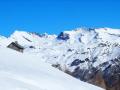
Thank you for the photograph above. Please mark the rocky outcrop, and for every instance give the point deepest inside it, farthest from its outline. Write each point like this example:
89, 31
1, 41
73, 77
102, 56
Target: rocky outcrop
63, 36
106, 75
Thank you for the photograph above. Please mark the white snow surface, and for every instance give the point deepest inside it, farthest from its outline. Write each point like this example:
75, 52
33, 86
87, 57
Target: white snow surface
23, 71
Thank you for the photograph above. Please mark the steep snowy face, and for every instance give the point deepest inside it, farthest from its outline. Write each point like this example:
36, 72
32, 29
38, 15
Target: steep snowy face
83, 53
29, 39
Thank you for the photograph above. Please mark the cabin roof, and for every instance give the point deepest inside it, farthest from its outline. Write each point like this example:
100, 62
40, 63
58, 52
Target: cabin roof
16, 45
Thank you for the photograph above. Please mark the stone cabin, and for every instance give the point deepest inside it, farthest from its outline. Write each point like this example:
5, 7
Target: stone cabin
16, 46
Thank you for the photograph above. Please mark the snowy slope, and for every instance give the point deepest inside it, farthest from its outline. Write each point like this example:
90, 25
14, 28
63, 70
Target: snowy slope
27, 72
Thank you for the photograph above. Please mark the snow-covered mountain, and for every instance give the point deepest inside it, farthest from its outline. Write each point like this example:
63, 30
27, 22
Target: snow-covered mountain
91, 55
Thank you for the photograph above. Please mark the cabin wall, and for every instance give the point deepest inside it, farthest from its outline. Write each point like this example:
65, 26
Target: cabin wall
15, 48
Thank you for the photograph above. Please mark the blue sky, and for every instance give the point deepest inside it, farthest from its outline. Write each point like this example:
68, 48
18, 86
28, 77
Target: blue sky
54, 16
